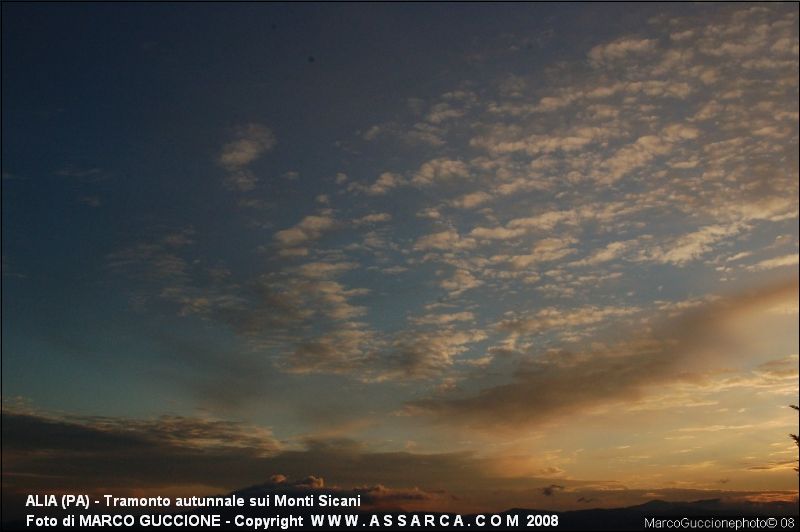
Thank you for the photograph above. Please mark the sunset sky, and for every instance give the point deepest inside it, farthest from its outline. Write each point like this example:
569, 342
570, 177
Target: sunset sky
463, 256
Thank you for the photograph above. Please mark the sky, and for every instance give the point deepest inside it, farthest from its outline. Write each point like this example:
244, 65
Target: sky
459, 256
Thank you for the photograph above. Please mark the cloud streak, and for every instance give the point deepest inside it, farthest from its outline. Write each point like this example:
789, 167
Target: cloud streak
562, 383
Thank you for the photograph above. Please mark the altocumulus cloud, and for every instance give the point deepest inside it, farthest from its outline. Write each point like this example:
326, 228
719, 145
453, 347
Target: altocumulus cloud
249, 143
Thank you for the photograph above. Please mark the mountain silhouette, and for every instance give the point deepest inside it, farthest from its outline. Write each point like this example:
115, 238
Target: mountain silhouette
626, 518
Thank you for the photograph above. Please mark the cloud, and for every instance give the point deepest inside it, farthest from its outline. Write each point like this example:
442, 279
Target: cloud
471, 200
621, 49
158, 259
552, 489
520, 226
427, 353
690, 246
566, 187
385, 182
459, 282
555, 207
644, 150
242, 180
346, 350
552, 318
94, 434
321, 270
249, 143
308, 229
192, 456
443, 319
448, 240
373, 218
292, 252
545, 250
314, 226
91, 201
776, 262
130, 457
553, 385
79, 173
267, 313
420, 133
610, 252
544, 221
375, 498
510, 140
441, 112
496, 233
440, 169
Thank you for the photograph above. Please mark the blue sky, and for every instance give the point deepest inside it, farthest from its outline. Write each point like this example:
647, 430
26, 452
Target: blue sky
412, 228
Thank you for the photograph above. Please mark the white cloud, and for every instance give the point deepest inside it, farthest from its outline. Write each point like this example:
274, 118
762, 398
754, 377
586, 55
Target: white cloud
690, 246
496, 233
471, 200
423, 354
373, 218
443, 319
554, 318
546, 250
443, 240
620, 49
308, 229
610, 252
776, 262
319, 270
439, 169
385, 182
545, 221
251, 141
644, 150
461, 281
